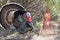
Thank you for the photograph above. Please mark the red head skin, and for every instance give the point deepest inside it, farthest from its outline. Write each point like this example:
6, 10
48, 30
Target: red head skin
28, 18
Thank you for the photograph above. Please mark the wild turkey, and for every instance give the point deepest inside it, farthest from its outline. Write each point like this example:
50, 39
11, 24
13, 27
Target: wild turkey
23, 21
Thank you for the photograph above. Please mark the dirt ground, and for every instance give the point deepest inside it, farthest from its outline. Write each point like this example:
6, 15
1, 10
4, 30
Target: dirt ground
38, 35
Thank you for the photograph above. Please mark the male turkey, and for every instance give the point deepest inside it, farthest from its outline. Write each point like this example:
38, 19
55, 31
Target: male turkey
22, 21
